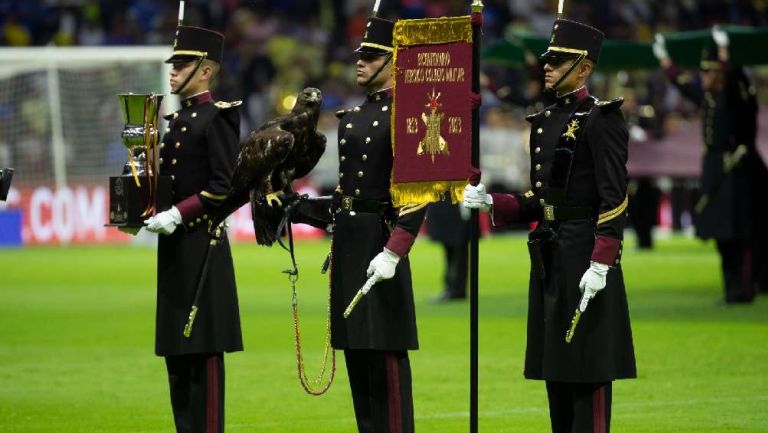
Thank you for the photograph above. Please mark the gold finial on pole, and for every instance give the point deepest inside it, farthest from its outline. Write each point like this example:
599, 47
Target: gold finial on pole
477, 6
376, 8
560, 9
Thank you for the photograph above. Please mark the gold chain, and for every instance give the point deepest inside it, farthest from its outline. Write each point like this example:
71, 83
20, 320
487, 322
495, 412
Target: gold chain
313, 386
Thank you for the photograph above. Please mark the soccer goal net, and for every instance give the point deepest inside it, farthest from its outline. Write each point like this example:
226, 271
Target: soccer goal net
60, 122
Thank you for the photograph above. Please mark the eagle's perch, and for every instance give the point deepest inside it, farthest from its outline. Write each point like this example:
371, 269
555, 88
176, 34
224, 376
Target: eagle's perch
282, 150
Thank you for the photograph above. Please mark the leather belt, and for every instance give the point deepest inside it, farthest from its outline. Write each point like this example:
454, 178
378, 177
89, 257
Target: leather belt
352, 204
565, 213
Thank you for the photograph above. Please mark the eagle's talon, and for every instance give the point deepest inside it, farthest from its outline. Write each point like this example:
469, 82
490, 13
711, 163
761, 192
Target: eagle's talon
274, 197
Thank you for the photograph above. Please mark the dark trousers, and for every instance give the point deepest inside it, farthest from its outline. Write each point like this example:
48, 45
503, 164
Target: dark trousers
197, 392
579, 407
738, 270
381, 390
456, 263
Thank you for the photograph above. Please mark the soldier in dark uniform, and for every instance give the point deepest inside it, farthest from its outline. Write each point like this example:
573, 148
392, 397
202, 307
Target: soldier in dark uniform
371, 238
198, 151
731, 209
447, 224
579, 197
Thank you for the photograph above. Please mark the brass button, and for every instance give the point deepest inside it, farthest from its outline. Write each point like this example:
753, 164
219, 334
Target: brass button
173, 161
538, 167
205, 216
191, 223
177, 145
385, 108
343, 158
183, 129
357, 192
341, 175
173, 177
198, 220
367, 139
547, 113
342, 141
375, 123
378, 97
194, 114
349, 126
541, 201
359, 174
162, 145
167, 129
539, 131
538, 184
160, 160
175, 115
365, 157
537, 150
356, 109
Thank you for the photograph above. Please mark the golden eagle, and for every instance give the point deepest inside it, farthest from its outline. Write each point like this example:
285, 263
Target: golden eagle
282, 150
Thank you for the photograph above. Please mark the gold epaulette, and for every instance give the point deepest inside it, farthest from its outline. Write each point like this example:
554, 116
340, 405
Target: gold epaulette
613, 104
342, 113
221, 105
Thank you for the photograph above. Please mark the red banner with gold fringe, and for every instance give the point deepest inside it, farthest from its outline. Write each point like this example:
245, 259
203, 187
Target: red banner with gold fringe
432, 109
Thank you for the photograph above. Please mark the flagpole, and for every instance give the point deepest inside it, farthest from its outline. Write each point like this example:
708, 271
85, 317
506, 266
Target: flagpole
474, 229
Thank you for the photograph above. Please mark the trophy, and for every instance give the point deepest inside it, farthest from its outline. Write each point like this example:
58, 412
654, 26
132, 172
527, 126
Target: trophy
139, 192
6, 174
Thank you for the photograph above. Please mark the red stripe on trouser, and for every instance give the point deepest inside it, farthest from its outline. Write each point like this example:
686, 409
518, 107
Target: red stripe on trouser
212, 395
598, 410
393, 395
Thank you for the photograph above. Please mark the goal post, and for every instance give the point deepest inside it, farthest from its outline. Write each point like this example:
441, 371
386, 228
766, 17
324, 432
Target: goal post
59, 118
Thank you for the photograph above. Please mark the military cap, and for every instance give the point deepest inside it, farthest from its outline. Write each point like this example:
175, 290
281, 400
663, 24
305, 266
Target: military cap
709, 58
377, 38
573, 39
192, 43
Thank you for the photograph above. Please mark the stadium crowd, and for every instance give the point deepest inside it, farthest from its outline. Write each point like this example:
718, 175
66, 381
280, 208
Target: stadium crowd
276, 48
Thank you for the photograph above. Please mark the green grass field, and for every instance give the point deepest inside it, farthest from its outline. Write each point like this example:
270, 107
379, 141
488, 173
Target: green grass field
76, 345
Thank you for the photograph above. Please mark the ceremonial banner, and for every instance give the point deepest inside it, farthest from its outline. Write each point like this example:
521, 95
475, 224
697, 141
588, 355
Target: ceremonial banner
432, 109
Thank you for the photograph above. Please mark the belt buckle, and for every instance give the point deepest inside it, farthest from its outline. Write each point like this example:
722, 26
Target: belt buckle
346, 203
549, 212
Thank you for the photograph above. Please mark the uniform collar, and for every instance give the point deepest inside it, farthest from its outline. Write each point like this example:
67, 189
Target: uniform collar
379, 95
571, 97
198, 99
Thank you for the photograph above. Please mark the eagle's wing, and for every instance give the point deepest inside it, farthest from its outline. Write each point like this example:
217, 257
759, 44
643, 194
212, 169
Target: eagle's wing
314, 149
261, 153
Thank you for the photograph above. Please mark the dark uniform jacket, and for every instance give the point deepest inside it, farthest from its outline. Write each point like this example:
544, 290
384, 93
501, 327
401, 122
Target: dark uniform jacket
385, 318
733, 208
578, 176
198, 150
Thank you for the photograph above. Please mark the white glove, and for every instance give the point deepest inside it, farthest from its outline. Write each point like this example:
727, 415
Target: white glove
660, 47
164, 222
383, 265
475, 197
593, 280
720, 37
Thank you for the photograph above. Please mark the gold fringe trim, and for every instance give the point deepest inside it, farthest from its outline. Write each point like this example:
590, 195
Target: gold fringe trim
417, 193
431, 31
613, 213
